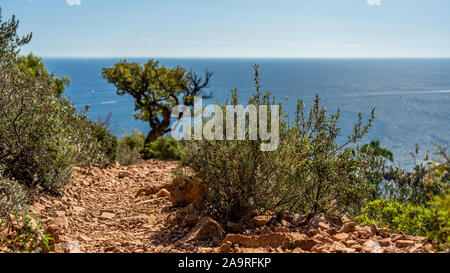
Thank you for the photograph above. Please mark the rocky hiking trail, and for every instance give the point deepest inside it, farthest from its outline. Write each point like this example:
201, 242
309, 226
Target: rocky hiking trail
131, 209
108, 210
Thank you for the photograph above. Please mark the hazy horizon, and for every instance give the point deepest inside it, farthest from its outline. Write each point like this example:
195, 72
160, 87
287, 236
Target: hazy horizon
243, 58
234, 29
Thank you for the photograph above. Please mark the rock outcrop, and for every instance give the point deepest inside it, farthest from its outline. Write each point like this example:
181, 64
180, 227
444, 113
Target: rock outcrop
184, 191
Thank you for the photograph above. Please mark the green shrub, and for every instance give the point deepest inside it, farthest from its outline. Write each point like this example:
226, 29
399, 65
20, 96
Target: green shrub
24, 232
34, 145
19, 231
163, 148
101, 143
130, 148
432, 221
308, 172
13, 197
92, 140
437, 225
41, 135
419, 186
393, 215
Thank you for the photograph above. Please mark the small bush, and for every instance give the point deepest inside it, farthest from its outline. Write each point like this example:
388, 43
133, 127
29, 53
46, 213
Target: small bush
19, 231
308, 172
163, 148
393, 215
102, 142
41, 135
432, 221
92, 140
437, 226
130, 147
24, 232
34, 145
13, 197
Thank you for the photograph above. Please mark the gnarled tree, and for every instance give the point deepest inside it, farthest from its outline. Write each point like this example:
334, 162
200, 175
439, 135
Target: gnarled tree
156, 90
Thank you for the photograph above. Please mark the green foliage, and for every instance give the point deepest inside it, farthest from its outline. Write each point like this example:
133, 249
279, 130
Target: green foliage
13, 197
10, 42
393, 215
156, 90
24, 233
34, 145
18, 229
374, 172
41, 135
36, 67
130, 148
378, 151
163, 148
106, 142
92, 140
432, 221
437, 226
439, 170
308, 172
419, 186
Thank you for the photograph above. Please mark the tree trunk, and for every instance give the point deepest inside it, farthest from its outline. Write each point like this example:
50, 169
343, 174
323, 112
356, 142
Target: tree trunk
159, 129
154, 134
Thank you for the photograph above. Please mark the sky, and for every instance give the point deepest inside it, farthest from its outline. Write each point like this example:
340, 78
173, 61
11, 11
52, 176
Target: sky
234, 28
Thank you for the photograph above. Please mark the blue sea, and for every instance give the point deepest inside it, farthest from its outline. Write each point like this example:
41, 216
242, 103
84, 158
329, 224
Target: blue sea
411, 96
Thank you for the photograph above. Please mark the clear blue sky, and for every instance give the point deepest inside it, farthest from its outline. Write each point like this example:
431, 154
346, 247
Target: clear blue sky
234, 28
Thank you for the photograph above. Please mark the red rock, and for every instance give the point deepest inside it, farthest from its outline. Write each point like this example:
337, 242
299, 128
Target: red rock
332, 231
351, 242
371, 246
273, 240
186, 191
163, 193
404, 243
340, 248
383, 232
226, 247
348, 227
123, 174
321, 248
303, 241
261, 220
373, 228
73, 247
318, 220
206, 229
357, 247
385, 242
340, 237
298, 220
107, 216
323, 239
396, 237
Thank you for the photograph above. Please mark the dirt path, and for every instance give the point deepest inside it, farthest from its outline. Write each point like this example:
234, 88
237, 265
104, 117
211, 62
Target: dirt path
126, 209
109, 210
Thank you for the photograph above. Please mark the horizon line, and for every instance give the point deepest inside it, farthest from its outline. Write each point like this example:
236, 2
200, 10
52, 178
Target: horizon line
237, 57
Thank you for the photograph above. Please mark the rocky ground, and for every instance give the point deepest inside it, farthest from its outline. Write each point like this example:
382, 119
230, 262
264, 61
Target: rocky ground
131, 209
